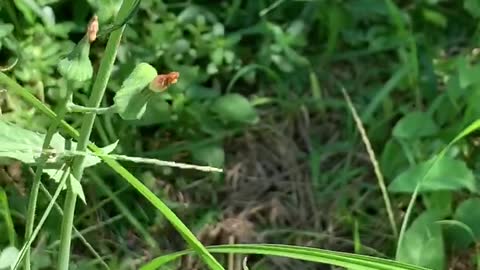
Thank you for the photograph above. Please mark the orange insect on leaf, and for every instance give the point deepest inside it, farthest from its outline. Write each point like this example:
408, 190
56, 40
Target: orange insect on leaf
163, 81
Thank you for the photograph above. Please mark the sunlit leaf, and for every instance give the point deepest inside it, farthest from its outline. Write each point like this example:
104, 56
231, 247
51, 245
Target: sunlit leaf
131, 100
77, 188
446, 174
7, 257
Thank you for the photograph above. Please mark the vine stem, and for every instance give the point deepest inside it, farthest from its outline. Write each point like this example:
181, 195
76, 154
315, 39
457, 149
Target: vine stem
33, 197
98, 90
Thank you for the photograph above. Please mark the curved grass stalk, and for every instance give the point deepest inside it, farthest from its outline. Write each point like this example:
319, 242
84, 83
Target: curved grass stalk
373, 160
342, 259
33, 197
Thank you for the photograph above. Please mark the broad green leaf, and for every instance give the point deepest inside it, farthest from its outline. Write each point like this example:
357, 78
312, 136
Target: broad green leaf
415, 125
77, 188
5, 29
7, 257
131, 100
22, 144
211, 155
235, 108
26, 145
446, 174
423, 243
473, 7
468, 213
341, 259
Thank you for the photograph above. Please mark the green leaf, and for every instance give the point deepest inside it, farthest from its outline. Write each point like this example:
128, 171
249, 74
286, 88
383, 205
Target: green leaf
467, 74
91, 160
157, 112
55, 174
235, 108
26, 146
7, 257
393, 159
77, 188
211, 155
440, 202
446, 174
131, 100
77, 65
467, 213
473, 7
22, 144
341, 259
423, 244
5, 29
415, 125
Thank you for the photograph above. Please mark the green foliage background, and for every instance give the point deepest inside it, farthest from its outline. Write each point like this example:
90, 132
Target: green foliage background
258, 96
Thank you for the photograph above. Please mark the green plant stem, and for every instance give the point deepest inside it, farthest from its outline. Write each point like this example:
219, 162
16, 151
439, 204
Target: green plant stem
98, 91
72, 107
32, 202
26, 246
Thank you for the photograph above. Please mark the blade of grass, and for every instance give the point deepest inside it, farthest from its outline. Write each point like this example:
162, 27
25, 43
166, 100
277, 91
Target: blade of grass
346, 260
125, 174
124, 210
76, 231
26, 246
373, 160
5, 209
408, 53
382, 93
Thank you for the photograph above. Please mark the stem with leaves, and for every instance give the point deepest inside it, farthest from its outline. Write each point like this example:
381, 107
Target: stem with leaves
32, 202
98, 91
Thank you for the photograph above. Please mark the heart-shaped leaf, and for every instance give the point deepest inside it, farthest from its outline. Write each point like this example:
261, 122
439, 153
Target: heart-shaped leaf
423, 243
131, 100
235, 108
446, 174
415, 125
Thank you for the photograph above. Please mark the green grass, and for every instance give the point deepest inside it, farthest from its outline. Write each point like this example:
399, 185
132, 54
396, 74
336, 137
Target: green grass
256, 131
